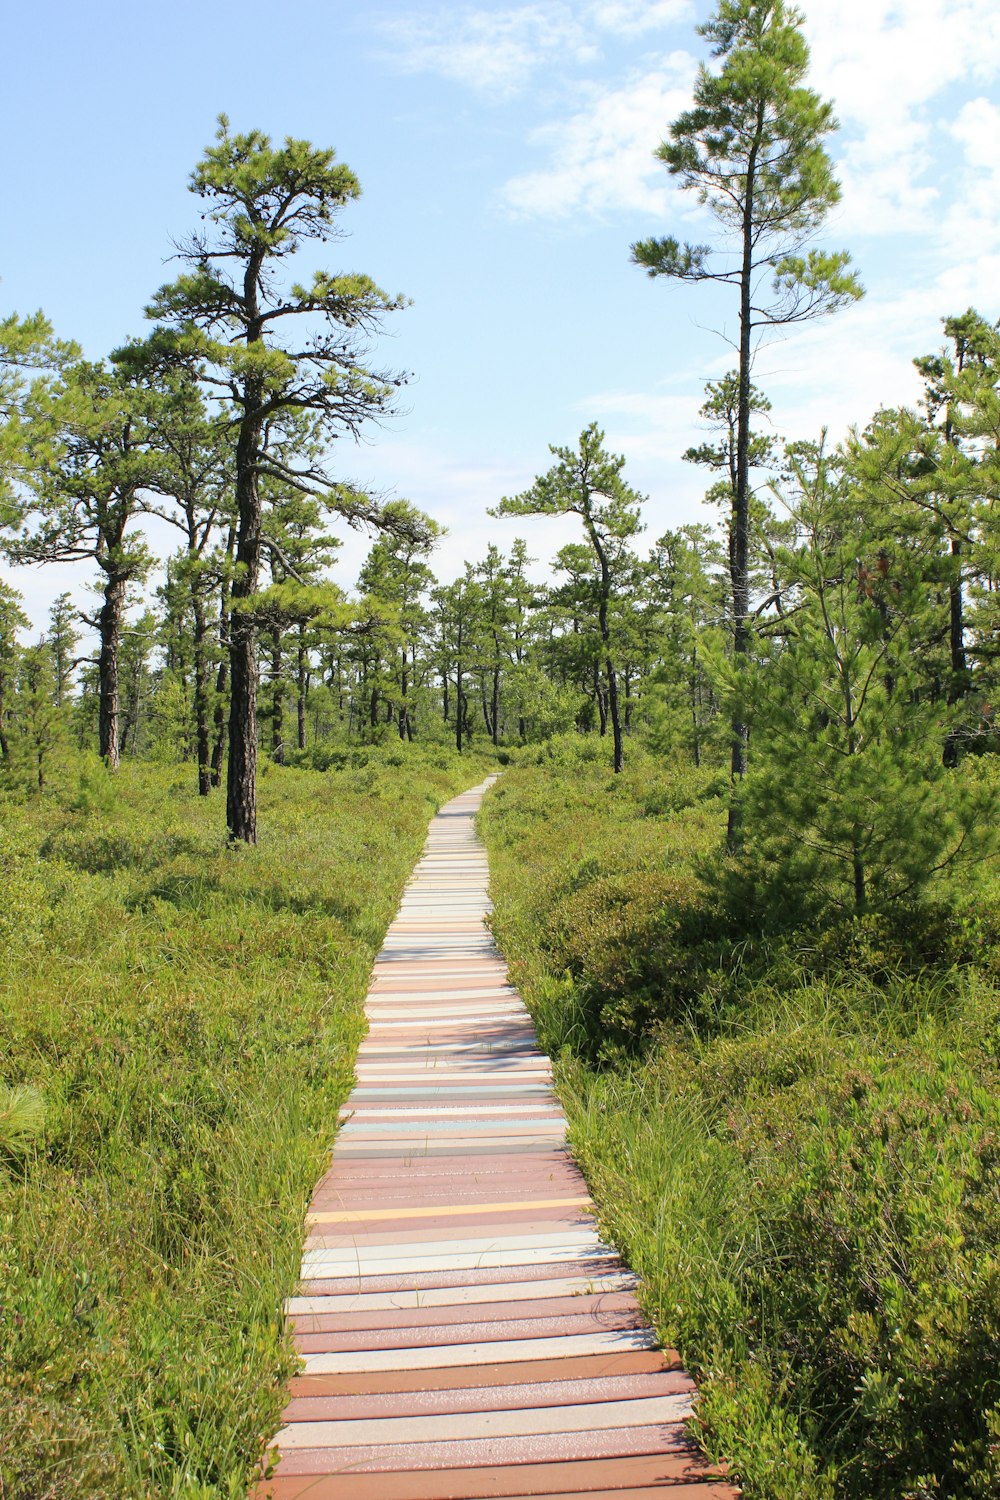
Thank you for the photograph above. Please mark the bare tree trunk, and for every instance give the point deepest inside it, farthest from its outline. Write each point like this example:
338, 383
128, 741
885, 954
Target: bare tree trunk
739, 539
277, 701
303, 689
203, 736
110, 626
241, 779
222, 676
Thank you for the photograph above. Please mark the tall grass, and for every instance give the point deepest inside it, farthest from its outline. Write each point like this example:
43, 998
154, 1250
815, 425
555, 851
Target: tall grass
178, 1022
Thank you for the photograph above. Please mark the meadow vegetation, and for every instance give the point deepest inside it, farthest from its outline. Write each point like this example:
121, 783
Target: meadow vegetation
791, 1126
178, 1021
744, 854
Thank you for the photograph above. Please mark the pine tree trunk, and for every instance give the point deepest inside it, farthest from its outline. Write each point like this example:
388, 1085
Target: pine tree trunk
739, 541
601, 701
695, 738
860, 894
404, 683
303, 690
277, 701
203, 736
222, 676
241, 780
110, 626
958, 685
495, 706
4, 742
615, 715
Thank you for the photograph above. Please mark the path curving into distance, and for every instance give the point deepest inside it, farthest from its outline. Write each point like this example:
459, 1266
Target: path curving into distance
465, 1331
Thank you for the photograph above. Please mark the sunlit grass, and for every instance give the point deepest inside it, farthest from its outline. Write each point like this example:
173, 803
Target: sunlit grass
177, 1029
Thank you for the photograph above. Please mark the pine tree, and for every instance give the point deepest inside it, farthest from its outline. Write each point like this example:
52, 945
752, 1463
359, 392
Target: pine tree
84, 507
849, 804
587, 482
231, 322
12, 621
751, 149
63, 639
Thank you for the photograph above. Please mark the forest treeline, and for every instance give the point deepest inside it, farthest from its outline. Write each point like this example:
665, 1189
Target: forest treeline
874, 630
832, 623
834, 618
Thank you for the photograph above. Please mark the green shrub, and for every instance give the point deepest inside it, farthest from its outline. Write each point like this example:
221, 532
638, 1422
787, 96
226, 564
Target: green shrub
802, 1159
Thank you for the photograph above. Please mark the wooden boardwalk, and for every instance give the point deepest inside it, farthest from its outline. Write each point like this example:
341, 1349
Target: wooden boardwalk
465, 1331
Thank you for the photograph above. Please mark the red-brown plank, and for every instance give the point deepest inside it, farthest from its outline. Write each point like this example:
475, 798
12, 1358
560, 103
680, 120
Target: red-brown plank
683, 1474
614, 1442
586, 1366
524, 1394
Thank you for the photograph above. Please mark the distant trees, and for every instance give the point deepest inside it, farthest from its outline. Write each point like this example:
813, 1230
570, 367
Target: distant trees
851, 802
12, 621
82, 505
587, 482
857, 634
397, 577
751, 148
194, 484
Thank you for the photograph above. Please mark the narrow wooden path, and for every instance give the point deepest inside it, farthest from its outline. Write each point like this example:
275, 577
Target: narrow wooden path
465, 1332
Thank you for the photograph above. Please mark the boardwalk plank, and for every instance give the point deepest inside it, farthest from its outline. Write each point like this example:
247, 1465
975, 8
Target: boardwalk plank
465, 1333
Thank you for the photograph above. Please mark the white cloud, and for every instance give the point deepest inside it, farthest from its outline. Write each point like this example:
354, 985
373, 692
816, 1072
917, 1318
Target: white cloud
887, 67
493, 51
971, 226
635, 17
601, 158
834, 374
884, 64
496, 51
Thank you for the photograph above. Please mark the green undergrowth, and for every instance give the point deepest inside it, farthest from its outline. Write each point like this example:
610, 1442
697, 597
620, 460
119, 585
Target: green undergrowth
177, 1028
793, 1136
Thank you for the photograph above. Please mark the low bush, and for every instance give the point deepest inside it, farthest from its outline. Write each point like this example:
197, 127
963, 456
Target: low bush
793, 1133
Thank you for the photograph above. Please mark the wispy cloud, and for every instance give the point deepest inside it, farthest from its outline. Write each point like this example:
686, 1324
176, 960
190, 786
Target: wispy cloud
889, 69
497, 51
601, 158
637, 17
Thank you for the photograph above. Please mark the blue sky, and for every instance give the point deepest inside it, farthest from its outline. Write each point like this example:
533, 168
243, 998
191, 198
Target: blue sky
505, 157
